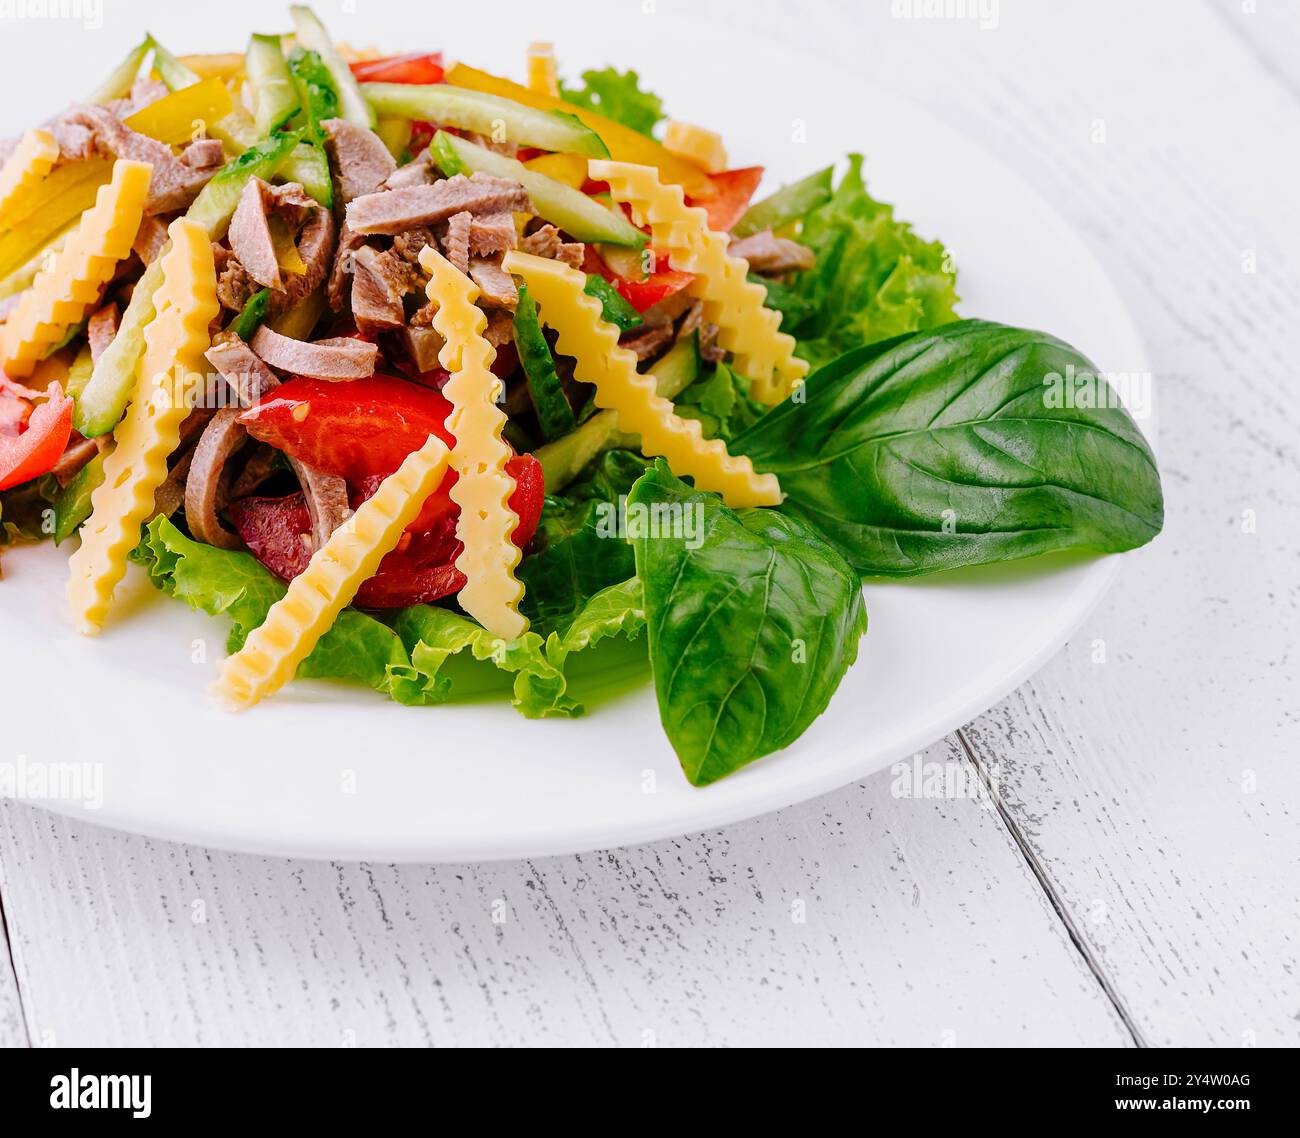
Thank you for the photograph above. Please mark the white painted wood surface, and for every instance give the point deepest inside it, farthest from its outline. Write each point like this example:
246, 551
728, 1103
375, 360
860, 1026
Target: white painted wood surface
1139, 881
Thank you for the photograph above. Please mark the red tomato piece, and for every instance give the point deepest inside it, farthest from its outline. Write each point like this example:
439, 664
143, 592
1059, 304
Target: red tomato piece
644, 294
735, 189
417, 67
35, 451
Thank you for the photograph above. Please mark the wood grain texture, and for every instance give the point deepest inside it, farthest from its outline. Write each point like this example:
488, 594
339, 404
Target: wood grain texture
861, 918
13, 1031
1147, 800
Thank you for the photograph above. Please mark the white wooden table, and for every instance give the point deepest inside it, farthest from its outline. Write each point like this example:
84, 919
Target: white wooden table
1139, 882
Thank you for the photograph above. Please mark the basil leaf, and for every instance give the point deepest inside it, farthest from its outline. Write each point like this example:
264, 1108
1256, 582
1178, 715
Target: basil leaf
753, 620
960, 446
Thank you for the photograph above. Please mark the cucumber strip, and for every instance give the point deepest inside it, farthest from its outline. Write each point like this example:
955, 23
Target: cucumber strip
214, 207
120, 80
79, 373
571, 210
237, 131
308, 164
614, 309
275, 98
312, 36
250, 318
486, 114
105, 397
563, 459
788, 204
174, 74
72, 506
554, 415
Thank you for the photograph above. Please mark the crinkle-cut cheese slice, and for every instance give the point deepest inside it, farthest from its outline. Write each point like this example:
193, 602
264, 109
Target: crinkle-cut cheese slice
751, 332
22, 175
581, 333
492, 593
542, 74
702, 147
170, 374
65, 290
271, 654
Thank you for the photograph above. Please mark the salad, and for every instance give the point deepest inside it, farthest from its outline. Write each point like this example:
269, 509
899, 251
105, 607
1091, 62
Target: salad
392, 359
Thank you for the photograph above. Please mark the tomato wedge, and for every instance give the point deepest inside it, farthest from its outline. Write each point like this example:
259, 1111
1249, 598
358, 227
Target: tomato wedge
35, 451
644, 294
361, 431
416, 67
735, 189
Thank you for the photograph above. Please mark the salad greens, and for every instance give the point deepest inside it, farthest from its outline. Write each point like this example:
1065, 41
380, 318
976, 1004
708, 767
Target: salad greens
617, 95
751, 629
946, 448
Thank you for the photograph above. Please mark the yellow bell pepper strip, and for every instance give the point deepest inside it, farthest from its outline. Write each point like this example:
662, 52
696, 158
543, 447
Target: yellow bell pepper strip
542, 75
179, 117
27, 167
170, 374
63, 292
581, 333
65, 195
700, 147
395, 132
236, 129
219, 64
625, 144
271, 654
571, 169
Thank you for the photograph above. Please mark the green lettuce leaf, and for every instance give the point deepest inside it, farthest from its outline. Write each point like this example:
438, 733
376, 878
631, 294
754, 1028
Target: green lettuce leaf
433, 635
617, 95
720, 401
874, 278
753, 620
223, 582
26, 513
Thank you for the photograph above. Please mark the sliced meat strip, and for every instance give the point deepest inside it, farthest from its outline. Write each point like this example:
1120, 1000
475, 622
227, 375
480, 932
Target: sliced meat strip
204, 154
316, 248
85, 130
235, 288
771, 255
410, 245
423, 346
327, 501
416, 173
100, 330
250, 236
393, 211
455, 241
500, 329
337, 359
221, 438
424, 315
669, 309
80, 451
647, 342
150, 239
360, 157
379, 282
492, 233
711, 352
341, 267
547, 242
143, 92
496, 287
241, 368
262, 464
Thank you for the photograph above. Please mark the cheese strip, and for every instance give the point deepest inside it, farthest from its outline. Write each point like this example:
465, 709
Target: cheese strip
483, 488
64, 292
702, 147
581, 333
271, 654
751, 332
542, 75
23, 173
170, 374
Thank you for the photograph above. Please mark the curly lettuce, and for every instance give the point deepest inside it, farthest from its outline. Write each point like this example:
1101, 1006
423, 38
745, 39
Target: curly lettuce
617, 95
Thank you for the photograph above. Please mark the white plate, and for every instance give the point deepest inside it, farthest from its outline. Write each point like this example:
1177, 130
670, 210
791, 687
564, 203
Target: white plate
327, 770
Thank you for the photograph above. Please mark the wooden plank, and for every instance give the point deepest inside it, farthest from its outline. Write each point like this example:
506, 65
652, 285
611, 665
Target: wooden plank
13, 1031
859, 918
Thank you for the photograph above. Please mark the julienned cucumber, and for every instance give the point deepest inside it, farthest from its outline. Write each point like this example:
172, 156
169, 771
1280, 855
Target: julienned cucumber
215, 206
309, 165
486, 114
119, 81
174, 74
563, 460
574, 212
554, 414
275, 97
312, 36
613, 308
789, 203
101, 404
